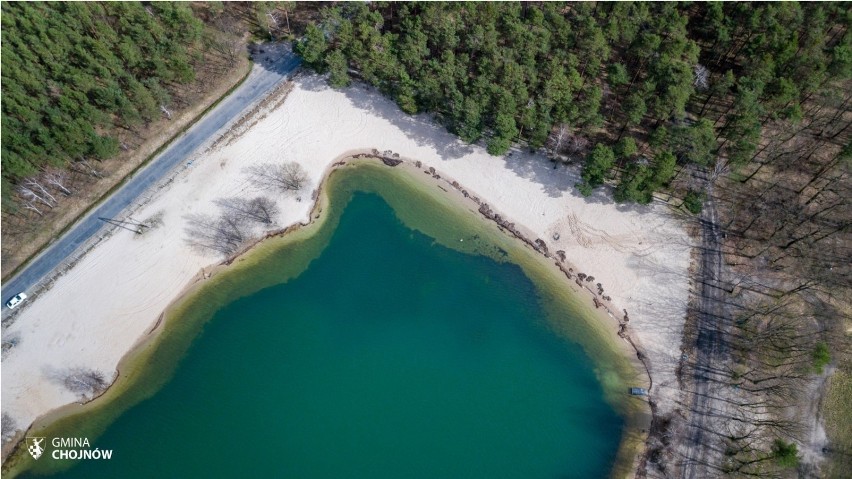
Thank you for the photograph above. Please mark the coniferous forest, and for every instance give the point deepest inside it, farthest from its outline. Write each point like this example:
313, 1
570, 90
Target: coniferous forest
689, 81
72, 71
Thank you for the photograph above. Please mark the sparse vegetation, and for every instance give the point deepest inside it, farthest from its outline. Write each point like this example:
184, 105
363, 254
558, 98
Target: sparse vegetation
10, 340
260, 209
286, 177
86, 383
151, 223
837, 410
233, 227
821, 357
785, 453
9, 428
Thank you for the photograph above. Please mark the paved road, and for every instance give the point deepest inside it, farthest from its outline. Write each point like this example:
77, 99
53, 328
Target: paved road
260, 82
711, 349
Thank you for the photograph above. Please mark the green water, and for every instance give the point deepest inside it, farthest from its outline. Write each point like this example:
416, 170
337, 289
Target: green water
389, 356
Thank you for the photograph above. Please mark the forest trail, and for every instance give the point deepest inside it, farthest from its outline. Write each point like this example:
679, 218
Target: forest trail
711, 351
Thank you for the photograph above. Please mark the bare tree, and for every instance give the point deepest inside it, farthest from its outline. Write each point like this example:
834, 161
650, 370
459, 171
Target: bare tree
564, 142
265, 208
85, 382
271, 22
57, 179
30, 205
261, 209
287, 6
36, 186
556, 139
88, 168
226, 43
31, 197
719, 169
224, 234
226, 38
9, 427
701, 77
569, 143
288, 177
295, 177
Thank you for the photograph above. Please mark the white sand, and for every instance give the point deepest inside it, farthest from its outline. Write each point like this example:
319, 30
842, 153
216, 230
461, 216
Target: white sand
95, 313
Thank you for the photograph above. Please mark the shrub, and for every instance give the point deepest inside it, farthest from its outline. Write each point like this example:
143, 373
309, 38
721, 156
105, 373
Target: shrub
786, 454
694, 201
821, 357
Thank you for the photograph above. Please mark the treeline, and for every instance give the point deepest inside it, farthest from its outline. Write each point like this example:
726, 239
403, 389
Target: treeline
647, 84
72, 72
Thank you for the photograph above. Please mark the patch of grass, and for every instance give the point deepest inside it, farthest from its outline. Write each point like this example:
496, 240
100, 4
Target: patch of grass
821, 356
786, 453
837, 416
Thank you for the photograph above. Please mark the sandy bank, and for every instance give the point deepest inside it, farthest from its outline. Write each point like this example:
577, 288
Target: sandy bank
97, 311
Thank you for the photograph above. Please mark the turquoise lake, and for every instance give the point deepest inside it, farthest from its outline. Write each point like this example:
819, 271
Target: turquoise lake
389, 356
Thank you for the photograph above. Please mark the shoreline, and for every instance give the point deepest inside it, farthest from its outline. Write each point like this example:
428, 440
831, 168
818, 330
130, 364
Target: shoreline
639, 253
636, 422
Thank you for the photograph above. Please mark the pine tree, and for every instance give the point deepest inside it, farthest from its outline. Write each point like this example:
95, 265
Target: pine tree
338, 69
598, 164
313, 47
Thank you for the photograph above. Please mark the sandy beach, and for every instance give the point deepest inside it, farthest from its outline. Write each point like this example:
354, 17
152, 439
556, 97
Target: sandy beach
101, 307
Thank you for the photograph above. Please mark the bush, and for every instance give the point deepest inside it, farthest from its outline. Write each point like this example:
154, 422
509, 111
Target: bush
821, 357
694, 201
626, 148
312, 47
786, 454
585, 189
498, 146
598, 165
338, 69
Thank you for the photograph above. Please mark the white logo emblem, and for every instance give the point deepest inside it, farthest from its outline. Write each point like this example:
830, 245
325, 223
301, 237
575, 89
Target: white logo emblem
35, 446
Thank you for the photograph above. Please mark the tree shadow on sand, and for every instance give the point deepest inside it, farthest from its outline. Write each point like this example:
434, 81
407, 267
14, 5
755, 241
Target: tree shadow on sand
555, 178
421, 128
554, 181
558, 178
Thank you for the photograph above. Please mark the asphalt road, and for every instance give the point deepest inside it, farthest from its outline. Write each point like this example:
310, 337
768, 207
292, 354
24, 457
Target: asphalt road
259, 83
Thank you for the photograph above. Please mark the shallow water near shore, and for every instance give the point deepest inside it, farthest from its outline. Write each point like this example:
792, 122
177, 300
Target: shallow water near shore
367, 349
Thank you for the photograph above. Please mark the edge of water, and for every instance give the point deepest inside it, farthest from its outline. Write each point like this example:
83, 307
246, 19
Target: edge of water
172, 338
